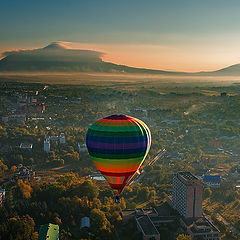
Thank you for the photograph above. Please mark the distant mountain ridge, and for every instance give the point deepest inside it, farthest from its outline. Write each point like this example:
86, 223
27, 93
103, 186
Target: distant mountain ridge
233, 70
56, 57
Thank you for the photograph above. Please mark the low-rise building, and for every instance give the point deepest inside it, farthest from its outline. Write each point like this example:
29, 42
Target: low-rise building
147, 228
26, 146
200, 227
85, 222
212, 180
148, 219
23, 172
128, 214
11, 117
82, 147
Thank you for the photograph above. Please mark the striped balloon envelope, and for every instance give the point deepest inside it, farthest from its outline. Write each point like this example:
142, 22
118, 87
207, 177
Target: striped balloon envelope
118, 145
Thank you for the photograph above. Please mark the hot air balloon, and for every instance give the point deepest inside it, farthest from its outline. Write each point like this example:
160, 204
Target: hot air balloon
118, 145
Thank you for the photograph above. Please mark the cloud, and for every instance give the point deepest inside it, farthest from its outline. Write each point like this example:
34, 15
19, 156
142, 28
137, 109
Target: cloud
55, 49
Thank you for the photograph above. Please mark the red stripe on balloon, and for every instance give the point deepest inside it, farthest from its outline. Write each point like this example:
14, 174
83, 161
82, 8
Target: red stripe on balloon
117, 174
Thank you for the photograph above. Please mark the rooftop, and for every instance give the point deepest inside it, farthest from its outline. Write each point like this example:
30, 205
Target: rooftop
187, 176
200, 225
147, 226
24, 145
212, 178
85, 222
138, 212
128, 212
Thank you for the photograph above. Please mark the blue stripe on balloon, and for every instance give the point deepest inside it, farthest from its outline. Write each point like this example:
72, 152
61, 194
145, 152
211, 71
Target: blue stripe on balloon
117, 151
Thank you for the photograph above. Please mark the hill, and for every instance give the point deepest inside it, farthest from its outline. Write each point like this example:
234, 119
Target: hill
233, 70
58, 58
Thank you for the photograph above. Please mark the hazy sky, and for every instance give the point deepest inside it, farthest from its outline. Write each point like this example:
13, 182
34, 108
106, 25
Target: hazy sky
184, 35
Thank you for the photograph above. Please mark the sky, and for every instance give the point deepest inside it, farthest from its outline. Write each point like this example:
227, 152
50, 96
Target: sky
177, 35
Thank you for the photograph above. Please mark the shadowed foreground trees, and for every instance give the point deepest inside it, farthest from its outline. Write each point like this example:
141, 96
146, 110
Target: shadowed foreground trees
17, 227
100, 226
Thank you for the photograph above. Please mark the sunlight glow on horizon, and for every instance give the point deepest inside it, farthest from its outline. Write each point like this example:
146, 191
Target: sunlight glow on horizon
169, 57
165, 57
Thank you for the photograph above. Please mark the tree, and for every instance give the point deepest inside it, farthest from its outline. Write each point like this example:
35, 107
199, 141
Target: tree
58, 220
66, 180
183, 237
143, 193
207, 192
87, 188
13, 169
99, 221
3, 167
35, 236
18, 228
64, 235
23, 189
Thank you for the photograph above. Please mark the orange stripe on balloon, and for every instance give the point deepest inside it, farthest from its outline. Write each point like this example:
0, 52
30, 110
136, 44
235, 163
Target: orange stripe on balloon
120, 170
116, 166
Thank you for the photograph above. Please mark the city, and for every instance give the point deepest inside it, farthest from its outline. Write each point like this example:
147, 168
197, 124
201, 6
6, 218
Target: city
45, 153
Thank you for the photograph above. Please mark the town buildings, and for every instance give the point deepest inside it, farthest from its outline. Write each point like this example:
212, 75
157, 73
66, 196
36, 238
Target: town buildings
14, 117
47, 141
23, 172
186, 198
183, 207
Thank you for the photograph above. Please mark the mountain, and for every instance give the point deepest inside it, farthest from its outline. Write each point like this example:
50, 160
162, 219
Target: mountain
233, 70
57, 57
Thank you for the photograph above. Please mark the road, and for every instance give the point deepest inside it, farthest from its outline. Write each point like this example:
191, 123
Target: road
160, 155
137, 178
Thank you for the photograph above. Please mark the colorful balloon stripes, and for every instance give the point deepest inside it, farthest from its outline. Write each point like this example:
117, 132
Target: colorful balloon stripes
118, 144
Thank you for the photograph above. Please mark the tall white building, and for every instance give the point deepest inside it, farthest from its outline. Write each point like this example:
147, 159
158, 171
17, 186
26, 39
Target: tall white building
62, 138
82, 148
46, 145
187, 194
